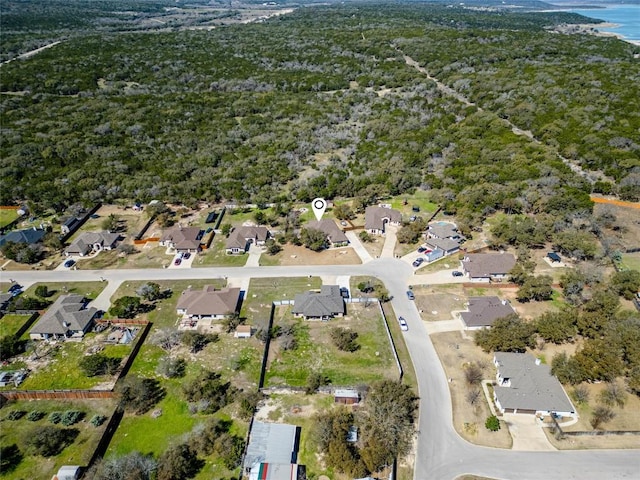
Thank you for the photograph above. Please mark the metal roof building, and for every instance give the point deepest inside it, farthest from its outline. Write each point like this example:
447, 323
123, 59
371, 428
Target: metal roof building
272, 443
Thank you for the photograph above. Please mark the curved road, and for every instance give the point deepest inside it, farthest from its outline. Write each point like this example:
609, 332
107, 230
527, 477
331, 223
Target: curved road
441, 453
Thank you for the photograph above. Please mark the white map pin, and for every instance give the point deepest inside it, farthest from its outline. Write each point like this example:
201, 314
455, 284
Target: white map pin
319, 205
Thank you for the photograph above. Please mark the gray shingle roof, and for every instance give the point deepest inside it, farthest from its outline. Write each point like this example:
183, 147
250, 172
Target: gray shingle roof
485, 265
28, 235
445, 244
326, 303
532, 386
241, 235
329, 228
483, 311
271, 443
68, 313
375, 217
84, 243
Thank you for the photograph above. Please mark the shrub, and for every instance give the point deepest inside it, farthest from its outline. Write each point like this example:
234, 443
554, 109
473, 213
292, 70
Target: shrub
492, 423
99, 364
70, 417
344, 339
172, 367
10, 458
35, 415
97, 420
15, 414
55, 417
49, 440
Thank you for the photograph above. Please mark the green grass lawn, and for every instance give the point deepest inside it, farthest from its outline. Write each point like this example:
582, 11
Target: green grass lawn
89, 290
316, 352
7, 215
217, 256
420, 199
631, 261
11, 323
61, 370
78, 453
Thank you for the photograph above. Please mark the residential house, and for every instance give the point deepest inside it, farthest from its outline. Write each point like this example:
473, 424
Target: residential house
182, 239
484, 267
202, 307
447, 245
526, 385
443, 230
346, 396
272, 452
70, 225
335, 235
242, 237
29, 236
483, 311
67, 317
92, 241
377, 218
323, 305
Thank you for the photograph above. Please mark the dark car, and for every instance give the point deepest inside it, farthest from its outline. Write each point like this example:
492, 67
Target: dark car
69, 263
410, 295
418, 262
344, 291
14, 288
186, 256
456, 273
177, 261
422, 249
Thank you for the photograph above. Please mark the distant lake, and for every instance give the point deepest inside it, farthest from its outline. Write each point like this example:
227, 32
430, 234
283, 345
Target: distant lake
627, 16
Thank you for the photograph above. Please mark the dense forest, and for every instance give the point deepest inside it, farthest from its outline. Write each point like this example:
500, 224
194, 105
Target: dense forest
320, 102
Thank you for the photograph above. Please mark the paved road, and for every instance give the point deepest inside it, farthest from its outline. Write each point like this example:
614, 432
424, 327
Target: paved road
441, 454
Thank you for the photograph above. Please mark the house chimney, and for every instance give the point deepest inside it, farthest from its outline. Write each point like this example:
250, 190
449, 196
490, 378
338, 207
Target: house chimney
504, 302
538, 361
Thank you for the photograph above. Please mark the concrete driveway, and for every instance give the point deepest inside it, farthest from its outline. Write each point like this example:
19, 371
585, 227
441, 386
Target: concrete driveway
527, 433
390, 240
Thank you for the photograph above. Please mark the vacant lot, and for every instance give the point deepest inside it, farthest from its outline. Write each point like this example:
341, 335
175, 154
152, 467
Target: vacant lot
456, 353
317, 353
78, 453
437, 302
88, 290
622, 227
299, 255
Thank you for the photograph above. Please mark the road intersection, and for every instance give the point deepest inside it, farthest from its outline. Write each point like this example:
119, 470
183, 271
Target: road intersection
441, 452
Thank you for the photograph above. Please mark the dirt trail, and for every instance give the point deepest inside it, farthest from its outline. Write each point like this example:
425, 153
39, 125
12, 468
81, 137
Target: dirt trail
619, 203
589, 176
32, 52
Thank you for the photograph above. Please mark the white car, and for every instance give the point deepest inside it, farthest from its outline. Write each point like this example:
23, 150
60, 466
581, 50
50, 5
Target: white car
403, 324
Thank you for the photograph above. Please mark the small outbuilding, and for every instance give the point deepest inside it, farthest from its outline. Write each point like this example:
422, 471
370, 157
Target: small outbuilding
554, 257
346, 396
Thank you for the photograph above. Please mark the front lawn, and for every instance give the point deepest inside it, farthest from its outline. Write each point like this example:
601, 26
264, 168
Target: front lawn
88, 290
7, 215
216, 255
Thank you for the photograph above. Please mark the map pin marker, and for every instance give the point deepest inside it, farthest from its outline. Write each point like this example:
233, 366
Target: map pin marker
319, 205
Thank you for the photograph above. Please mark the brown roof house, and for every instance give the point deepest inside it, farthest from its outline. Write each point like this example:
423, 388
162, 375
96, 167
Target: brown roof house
202, 307
525, 385
242, 237
483, 311
376, 219
322, 305
335, 235
92, 241
67, 317
484, 267
183, 239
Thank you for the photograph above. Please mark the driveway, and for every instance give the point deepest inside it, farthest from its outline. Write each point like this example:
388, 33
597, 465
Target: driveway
254, 256
527, 433
390, 240
357, 246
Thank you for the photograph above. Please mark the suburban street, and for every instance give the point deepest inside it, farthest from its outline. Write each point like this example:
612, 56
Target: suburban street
441, 453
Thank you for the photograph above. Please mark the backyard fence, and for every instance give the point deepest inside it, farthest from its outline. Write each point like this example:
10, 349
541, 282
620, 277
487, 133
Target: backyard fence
56, 394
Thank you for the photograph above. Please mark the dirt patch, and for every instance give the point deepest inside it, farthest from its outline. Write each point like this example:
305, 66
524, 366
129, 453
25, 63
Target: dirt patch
374, 247
456, 353
294, 255
621, 225
439, 301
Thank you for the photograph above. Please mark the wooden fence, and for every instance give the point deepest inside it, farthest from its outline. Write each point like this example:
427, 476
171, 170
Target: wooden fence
56, 394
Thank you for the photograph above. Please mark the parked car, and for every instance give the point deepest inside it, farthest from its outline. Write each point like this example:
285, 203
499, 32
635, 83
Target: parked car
186, 256
403, 324
344, 291
422, 249
14, 288
410, 295
418, 262
69, 263
177, 261
456, 273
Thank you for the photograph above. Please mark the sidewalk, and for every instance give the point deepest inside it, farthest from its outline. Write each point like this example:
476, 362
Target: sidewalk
357, 246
